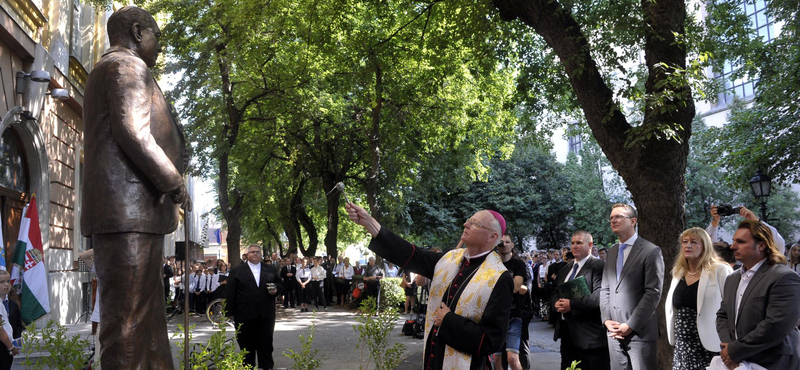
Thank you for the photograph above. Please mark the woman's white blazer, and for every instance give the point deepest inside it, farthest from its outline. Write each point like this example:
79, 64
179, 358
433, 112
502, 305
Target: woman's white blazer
709, 299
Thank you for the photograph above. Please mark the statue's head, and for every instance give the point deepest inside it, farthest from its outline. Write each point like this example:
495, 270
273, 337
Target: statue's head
134, 28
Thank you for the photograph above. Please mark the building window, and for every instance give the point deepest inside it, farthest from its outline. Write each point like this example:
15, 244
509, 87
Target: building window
75, 44
745, 86
575, 144
13, 172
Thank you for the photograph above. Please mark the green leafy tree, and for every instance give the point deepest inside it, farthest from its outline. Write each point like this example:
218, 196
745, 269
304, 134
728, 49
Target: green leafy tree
590, 203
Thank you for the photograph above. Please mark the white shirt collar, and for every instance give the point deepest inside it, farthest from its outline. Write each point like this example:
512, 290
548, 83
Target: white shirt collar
253, 265
631, 240
583, 261
467, 256
753, 270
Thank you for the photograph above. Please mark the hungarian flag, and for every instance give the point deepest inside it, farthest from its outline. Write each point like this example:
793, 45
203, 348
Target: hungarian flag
29, 275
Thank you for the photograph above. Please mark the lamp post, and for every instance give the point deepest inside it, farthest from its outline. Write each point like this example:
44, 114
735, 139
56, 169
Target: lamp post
762, 186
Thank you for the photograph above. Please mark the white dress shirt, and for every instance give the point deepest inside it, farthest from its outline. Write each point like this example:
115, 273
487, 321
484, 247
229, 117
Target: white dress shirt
747, 276
256, 269
348, 272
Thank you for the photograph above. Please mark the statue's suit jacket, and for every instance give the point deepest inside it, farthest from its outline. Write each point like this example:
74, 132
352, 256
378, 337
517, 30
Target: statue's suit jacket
133, 147
768, 316
633, 298
585, 328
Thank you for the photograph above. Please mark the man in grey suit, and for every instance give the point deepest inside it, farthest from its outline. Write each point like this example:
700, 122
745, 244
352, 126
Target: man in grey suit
633, 278
134, 161
757, 320
583, 337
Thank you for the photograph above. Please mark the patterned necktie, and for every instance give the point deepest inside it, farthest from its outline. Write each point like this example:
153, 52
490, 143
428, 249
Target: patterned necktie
574, 271
621, 258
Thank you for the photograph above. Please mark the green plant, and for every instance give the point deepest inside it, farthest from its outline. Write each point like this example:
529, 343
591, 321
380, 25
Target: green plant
306, 358
574, 366
65, 353
218, 353
392, 295
373, 336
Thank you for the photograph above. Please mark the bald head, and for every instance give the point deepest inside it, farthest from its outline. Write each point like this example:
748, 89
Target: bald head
482, 232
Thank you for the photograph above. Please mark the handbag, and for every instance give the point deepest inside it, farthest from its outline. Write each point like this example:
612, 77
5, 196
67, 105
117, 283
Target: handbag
357, 293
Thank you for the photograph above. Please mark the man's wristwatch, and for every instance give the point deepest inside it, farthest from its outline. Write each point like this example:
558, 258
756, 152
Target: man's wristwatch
10, 350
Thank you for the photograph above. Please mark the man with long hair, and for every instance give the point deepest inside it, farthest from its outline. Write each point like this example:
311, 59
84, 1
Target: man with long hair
757, 321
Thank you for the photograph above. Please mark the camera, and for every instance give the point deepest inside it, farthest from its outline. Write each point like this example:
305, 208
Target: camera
727, 210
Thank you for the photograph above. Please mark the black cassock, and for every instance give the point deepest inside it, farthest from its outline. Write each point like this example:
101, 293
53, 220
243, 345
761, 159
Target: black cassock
478, 339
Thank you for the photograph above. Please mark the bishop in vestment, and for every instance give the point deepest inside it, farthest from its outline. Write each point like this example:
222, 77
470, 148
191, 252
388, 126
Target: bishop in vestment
470, 297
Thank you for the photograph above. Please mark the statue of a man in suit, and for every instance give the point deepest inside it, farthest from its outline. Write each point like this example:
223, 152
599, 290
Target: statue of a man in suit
135, 156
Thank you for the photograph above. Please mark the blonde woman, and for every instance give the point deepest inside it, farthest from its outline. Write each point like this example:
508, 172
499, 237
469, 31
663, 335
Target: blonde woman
794, 258
694, 297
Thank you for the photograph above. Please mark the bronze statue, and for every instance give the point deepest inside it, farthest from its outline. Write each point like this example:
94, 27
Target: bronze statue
135, 155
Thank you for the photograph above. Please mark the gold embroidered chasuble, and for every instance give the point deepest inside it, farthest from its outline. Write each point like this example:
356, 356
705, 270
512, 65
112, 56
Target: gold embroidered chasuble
473, 299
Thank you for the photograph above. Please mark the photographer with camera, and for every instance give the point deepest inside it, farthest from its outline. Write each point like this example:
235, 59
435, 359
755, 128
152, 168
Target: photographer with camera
727, 210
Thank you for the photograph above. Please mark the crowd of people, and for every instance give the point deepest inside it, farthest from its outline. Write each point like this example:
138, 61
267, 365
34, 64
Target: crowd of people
610, 322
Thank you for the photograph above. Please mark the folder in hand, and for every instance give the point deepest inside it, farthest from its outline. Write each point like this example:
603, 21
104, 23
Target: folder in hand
574, 288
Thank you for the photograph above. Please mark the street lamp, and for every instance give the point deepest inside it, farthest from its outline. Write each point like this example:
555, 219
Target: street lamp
762, 186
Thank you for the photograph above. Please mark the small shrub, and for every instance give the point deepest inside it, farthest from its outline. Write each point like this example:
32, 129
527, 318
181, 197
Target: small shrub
373, 336
66, 353
218, 353
306, 359
392, 295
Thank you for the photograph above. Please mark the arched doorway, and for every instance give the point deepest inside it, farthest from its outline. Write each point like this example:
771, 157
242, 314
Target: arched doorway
14, 188
24, 171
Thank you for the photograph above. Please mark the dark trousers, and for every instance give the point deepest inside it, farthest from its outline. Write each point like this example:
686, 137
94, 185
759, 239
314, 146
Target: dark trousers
289, 293
6, 360
255, 336
199, 302
591, 359
329, 291
318, 293
166, 289
524, 345
134, 330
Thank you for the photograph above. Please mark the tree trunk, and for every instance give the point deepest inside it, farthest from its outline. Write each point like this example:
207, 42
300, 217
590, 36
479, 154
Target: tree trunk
374, 146
332, 199
652, 167
275, 236
291, 236
311, 230
231, 208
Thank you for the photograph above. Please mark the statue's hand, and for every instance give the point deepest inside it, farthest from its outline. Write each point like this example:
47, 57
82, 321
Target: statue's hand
181, 196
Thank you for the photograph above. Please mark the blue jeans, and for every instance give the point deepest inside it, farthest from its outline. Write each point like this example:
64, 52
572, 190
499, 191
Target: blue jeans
514, 334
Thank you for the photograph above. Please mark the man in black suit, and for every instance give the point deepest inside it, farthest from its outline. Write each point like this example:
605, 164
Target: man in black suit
168, 273
552, 273
289, 275
252, 288
583, 337
757, 320
539, 283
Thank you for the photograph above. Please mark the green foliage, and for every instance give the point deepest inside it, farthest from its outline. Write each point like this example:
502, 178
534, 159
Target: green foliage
590, 203
392, 295
707, 184
306, 358
529, 189
218, 353
574, 366
373, 337
59, 351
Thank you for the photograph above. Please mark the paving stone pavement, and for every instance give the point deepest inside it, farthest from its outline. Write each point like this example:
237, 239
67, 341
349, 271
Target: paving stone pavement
337, 340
